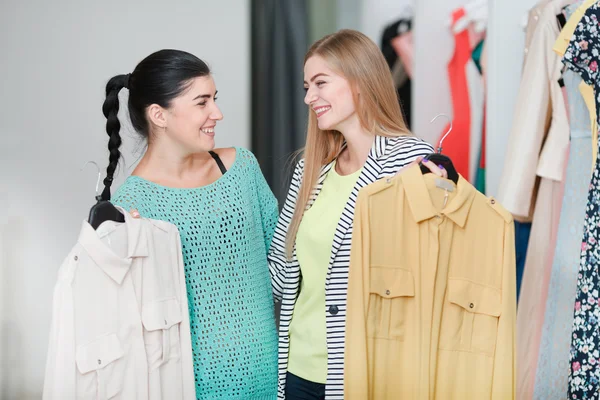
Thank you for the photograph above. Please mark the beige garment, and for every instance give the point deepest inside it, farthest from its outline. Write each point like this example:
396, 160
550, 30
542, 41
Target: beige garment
533, 16
539, 136
120, 320
431, 294
534, 286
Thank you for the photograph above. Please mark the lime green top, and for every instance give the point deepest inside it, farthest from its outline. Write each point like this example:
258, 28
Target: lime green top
308, 333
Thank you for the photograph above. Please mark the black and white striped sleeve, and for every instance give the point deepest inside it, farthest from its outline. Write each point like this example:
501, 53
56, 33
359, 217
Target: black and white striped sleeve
277, 255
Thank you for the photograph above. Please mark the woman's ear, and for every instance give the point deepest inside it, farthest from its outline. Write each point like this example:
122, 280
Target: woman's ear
157, 116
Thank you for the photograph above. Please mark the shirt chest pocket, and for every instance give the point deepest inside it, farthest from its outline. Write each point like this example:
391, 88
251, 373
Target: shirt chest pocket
102, 366
161, 321
391, 299
470, 317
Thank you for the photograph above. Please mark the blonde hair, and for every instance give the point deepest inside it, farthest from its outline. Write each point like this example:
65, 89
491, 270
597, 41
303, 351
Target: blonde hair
358, 59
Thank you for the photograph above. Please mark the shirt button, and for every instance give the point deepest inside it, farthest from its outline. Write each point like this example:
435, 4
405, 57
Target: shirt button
471, 305
387, 292
333, 310
165, 322
493, 201
99, 362
75, 258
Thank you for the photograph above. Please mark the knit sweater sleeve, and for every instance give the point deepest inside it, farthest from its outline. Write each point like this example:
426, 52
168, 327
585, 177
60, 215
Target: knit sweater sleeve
123, 198
269, 209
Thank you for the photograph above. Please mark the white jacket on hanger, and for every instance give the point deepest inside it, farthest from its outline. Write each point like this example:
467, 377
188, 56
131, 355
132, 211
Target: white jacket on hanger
120, 324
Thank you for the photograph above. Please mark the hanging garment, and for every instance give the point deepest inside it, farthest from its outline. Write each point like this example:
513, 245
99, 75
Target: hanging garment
522, 235
431, 296
537, 148
120, 326
458, 149
402, 77
404, 47
479, 181
480, 177
226, 229
479, 169
387, 156
539, 136
586, 90
588, 94
582, 56
476, 103
533, 16
476, 55
535, 281
553, 362
483, 62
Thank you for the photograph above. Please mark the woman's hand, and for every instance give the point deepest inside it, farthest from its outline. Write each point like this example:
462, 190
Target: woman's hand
134, 213
435, 169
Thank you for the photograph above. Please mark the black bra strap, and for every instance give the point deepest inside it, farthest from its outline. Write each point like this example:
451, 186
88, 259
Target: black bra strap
219, 162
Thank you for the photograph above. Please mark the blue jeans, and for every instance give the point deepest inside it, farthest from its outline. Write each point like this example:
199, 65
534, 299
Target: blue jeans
297, 388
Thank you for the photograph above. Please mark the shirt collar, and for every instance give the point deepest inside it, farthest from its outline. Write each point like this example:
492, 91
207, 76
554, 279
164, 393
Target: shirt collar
419, 199
378, 147
103, 256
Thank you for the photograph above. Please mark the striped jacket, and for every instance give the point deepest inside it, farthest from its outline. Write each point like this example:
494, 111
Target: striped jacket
386, 157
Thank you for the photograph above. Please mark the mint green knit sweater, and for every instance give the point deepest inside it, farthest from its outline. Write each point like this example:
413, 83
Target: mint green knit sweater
226, 229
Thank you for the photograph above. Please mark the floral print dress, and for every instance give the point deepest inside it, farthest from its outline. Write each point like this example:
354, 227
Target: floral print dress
583, 56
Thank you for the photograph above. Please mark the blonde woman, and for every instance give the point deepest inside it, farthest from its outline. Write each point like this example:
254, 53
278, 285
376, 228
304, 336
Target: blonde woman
356, 135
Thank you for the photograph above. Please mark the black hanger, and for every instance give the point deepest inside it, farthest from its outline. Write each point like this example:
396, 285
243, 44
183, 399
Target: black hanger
562, 20
439, 158
103, 210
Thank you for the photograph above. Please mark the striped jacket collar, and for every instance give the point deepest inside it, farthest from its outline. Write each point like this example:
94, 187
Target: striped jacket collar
368, 175
375, 154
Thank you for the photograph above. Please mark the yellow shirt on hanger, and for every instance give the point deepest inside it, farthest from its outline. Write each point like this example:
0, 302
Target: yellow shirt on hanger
431, 307
560, 47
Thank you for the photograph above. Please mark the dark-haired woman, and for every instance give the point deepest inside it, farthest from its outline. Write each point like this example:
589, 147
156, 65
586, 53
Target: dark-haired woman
224, 210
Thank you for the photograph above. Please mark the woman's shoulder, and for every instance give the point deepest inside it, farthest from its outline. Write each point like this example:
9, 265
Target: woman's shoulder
130, 193
239, 160
228, 155
407, 147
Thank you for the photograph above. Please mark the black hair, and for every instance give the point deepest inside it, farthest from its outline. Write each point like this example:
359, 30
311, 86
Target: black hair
157, 79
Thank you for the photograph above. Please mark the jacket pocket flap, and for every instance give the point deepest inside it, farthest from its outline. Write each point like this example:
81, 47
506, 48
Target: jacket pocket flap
99, 353
474, 297
161, 314
390, 282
